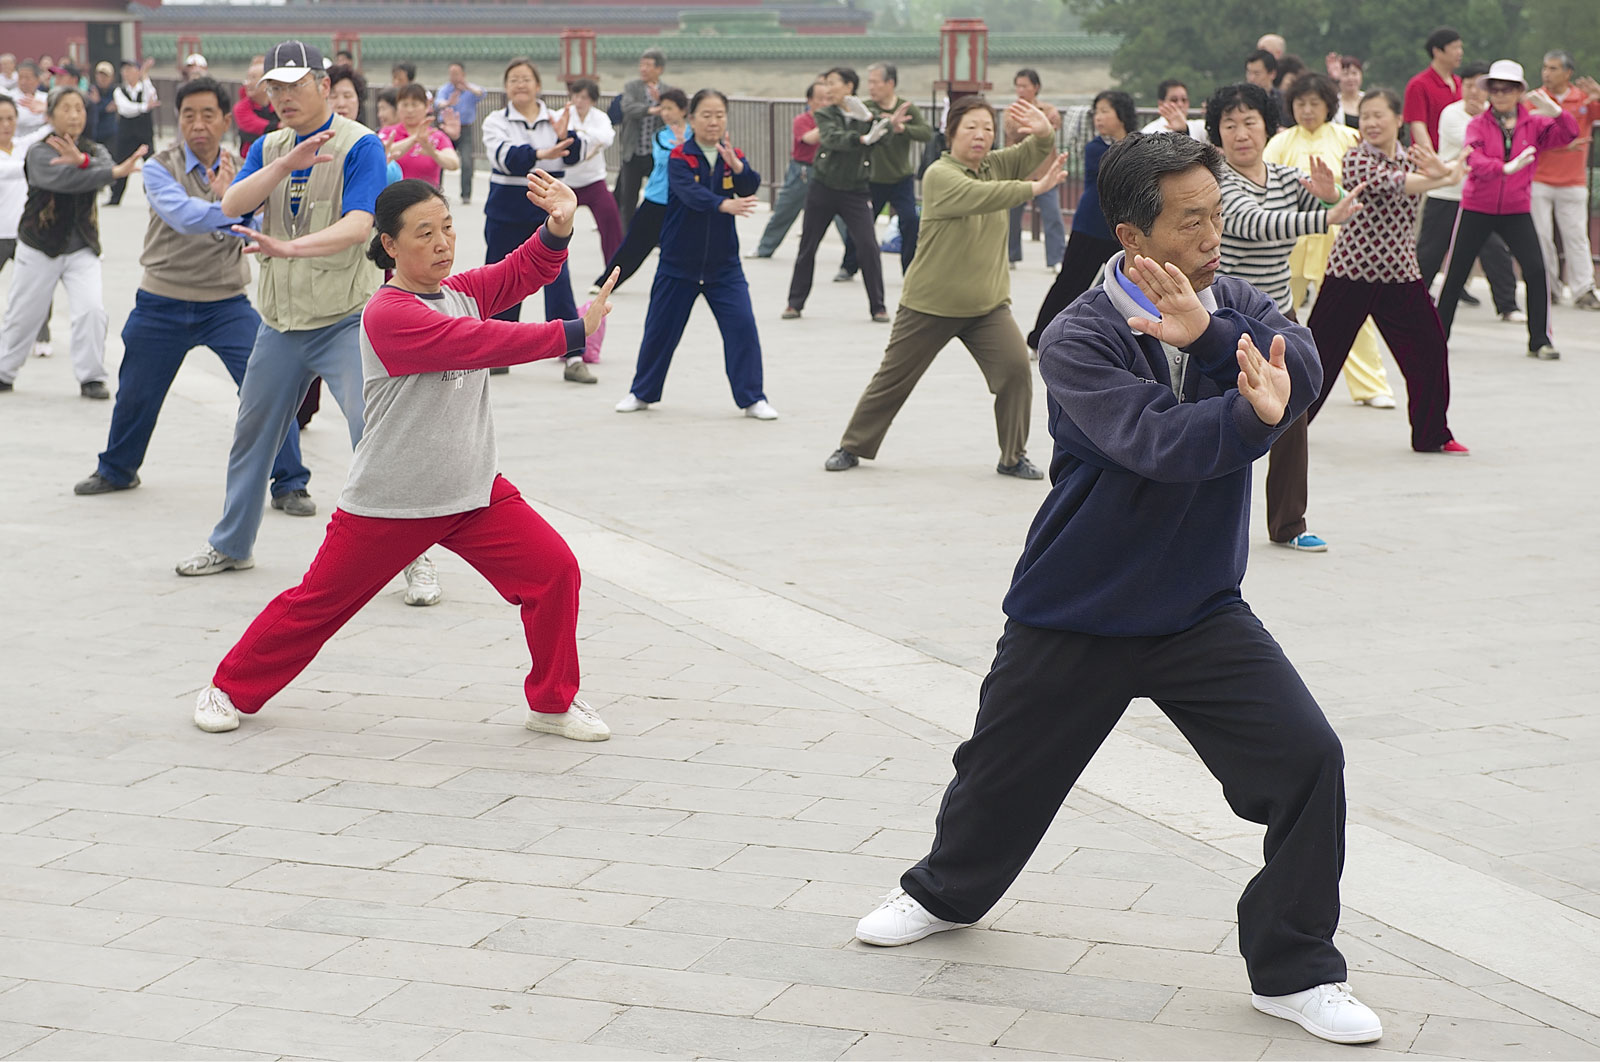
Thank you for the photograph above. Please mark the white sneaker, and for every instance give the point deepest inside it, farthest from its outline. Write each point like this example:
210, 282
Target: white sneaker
761, 410
578, 723
42, 348
422, 582
207, 561
900, 920
1329, 1011
1514, 317
1379, 402
214, 711
631, 404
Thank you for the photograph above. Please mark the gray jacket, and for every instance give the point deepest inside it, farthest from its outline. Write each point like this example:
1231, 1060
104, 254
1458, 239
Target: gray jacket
636, 104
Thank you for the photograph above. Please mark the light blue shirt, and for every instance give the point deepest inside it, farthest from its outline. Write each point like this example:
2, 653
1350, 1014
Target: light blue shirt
465, 101
184, 213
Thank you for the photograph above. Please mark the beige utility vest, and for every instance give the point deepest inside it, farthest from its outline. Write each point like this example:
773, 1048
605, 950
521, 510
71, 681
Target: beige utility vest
203, 267
296, 294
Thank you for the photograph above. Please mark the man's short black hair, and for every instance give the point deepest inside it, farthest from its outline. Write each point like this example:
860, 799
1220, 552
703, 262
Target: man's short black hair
1131, 172
1241, 97
1167, 86
406, 67
1440, 39
846, 74
1472, 71
1028, 72
197, 85
1265, 58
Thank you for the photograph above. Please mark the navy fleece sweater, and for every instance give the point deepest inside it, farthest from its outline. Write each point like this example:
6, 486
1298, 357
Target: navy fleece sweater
1145, 530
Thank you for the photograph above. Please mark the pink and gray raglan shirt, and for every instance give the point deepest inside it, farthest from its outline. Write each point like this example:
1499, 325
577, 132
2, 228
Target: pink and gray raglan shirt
428, 448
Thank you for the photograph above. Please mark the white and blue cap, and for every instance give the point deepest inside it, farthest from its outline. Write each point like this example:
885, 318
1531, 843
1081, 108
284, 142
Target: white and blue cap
292, 60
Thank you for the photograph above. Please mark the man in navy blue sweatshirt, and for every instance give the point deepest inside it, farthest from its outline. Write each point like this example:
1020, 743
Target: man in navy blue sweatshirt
1160, 400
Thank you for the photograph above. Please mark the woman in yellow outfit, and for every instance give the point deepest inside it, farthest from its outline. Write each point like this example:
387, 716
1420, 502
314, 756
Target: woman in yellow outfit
1314, 99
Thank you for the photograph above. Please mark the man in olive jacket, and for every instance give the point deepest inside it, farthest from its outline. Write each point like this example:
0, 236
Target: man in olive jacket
893, 164
839, 189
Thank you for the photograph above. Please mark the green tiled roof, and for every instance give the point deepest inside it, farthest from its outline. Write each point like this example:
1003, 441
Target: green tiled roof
390, 47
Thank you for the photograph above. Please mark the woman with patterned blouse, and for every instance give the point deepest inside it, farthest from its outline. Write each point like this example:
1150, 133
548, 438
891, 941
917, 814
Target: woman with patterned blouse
1372, 271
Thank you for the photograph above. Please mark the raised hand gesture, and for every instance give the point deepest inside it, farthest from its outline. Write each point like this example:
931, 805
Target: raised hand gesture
1347, 207
1540, 103
1523, 159
227, 170
67, 151
563, 116
1334, 63
730, 157
1183, 318
595, 315
741, 206
264, 245
1321, 183
555, 199
1177, 119
901, 115
1029, 118
554, 152
1053, 176
131, 163
1264, 382
1428, 163
1589, 87
304, 155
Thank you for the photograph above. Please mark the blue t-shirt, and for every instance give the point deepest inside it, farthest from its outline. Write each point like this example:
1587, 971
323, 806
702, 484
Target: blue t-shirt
465, 101
366, 167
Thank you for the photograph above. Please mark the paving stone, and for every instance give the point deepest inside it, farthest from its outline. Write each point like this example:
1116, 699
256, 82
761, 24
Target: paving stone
688, 884
247, 906
1469, 1038
102, 1010
662, 850
486, 1010
497, 1047
348, 883
889, 1047
682, 1034
141, 830
1116, 927
46, 885
443, 964
247, 786
297, 1033
884, 1012
258, 985
272, 814
700, 798
706, 992
516, 783
483, 864
572, 905
239, 943
1038, 990
82, 964
828, 967
741, 922
66, 1045
613, 817
15, 1036
194, 868
427, 925
1110, 1038
302, 847
1163, 966
406, 771
790, 833
639, 947
409, 798
496, 834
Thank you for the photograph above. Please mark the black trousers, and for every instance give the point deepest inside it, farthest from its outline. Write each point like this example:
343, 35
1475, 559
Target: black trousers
631, 175
823, 204
902, 195
1049, 702
644, 233
1433, 243
1085, 255
1472, 232
131, 135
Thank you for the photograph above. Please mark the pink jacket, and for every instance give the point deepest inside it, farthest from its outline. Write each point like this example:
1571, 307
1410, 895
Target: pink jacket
1489, 190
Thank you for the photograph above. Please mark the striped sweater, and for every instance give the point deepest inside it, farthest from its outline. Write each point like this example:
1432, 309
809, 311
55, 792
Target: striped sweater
1260, 225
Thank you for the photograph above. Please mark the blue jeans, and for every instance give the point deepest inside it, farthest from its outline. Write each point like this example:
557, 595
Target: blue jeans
902, 195
281, 369
158, 335
1048, 205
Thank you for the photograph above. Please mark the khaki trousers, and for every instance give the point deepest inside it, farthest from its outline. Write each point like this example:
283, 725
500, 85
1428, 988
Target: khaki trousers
995, 343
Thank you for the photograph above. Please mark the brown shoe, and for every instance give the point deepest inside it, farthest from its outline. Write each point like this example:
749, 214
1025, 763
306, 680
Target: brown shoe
578, 372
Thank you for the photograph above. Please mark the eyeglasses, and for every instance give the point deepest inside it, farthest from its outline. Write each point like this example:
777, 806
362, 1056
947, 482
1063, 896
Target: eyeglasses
278, 88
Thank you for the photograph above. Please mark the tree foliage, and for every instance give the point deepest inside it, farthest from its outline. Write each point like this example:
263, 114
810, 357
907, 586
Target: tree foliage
1204, 42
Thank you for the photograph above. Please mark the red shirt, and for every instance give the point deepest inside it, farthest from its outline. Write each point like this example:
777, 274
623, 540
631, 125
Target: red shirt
1564, 167
1427, 95
803, 152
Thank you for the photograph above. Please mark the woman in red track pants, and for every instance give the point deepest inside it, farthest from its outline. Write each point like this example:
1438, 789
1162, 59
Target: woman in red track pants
425, 471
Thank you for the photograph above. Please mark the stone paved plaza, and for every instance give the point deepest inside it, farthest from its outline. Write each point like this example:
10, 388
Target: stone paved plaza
384, 864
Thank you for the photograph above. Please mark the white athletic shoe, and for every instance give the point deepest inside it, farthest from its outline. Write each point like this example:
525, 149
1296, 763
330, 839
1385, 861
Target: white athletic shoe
631, 404
42, 348
578, 723
1379, 402
1330, 1011
900, 920
207, 561
214, 711
761, 409
422, 582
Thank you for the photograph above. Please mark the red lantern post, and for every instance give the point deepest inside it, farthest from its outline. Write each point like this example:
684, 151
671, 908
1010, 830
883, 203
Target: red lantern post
963, 57
579, 52
347, 41
188, 44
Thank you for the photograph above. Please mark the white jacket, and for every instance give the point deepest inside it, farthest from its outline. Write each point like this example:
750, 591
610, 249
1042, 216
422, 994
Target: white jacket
595, 133
506, 130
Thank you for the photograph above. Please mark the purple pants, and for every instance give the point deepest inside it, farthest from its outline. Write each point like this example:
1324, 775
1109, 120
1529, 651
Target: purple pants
1410, 325
603, 205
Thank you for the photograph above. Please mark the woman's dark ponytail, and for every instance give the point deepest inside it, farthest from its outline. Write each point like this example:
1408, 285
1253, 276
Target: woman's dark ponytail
388, 214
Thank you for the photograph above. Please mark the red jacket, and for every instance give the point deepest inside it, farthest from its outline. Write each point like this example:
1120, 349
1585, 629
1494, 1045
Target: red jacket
1489, 189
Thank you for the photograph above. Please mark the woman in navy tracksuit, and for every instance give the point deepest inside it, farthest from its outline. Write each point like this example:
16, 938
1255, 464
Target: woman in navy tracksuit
709, 183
